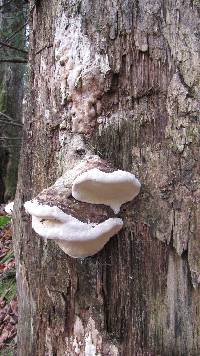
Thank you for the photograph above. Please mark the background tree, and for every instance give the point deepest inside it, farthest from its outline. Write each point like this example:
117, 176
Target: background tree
12, 43
120, 79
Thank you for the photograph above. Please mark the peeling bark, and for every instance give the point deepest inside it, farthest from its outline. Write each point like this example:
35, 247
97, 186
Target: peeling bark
127, 90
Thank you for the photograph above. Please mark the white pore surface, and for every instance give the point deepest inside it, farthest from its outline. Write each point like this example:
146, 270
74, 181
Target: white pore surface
9, 208
112, 189
76, 238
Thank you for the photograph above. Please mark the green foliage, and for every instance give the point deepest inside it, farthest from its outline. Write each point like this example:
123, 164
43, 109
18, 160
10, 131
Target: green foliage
8, 286
8, 279
9, 351
9, 256
4, 220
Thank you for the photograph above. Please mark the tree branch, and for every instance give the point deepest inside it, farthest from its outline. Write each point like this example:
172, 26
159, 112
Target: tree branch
10, 138
11, 123
10, 146
10, 120
4, 5
13, 60
12, 47
19, 29
15, 33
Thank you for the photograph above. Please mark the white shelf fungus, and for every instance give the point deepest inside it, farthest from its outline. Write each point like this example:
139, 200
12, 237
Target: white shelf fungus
112, 189
75, 210
9, 208
76, 238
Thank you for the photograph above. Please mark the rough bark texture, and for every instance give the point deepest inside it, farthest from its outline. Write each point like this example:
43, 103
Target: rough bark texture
121, 79
11, 96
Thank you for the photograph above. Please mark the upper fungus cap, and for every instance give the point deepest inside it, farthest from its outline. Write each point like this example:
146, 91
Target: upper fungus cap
112, 189
76, 238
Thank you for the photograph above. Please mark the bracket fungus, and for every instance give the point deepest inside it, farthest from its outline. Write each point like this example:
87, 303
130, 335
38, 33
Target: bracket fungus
74, 237
112, 189
9, 208
78, 211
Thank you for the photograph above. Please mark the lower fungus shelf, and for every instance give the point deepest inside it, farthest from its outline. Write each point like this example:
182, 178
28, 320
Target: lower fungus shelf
74, 237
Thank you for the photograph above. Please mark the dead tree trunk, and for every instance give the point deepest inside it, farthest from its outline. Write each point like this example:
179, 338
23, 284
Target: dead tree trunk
119, 79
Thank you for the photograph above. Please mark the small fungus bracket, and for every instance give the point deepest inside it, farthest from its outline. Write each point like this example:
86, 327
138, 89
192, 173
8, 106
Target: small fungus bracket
9, 208
78, 211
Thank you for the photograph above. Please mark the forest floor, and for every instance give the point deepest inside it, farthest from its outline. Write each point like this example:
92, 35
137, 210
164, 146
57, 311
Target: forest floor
8, 299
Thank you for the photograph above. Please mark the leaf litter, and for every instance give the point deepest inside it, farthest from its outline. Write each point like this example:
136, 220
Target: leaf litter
8, 299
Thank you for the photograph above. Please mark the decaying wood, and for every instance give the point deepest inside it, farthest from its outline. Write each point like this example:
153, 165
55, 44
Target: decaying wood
130, 93
60, 194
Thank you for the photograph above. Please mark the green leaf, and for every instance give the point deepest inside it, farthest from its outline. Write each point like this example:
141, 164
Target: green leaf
4, 220
8, 288
9, 256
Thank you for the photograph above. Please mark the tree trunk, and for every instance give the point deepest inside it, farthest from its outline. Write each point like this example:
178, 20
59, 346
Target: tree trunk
11, 96
119, 79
